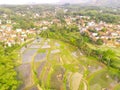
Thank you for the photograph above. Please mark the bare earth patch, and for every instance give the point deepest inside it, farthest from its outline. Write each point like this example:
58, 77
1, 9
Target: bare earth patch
27, 56
55, 51
75, 80
26, 75
34, 46
40, 57
57, 44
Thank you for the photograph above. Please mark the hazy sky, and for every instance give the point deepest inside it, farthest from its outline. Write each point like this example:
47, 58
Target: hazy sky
27, 1
41, 1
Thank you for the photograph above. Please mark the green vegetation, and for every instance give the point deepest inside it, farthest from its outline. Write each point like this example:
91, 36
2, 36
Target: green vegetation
8, 62
117, 87
75, 61
73, 37
107, 14
100, 78
22, 22
109, 18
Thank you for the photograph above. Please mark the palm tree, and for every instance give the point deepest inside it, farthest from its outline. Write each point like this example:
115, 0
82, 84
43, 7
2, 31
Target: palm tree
108, 56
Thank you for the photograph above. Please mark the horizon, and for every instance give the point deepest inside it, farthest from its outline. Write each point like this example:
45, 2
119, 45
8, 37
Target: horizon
35, 2
22, 2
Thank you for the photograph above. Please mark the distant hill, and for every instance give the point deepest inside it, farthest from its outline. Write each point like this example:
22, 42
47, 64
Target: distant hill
93, 2
73, 1
105, 2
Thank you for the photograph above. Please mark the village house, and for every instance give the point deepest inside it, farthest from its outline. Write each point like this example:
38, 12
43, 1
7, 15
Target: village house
11, 37
8, 21
90, 24
0, 21
18, 30
82, 30
99, 28
94, 34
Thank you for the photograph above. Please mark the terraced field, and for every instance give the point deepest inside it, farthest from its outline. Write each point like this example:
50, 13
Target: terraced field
55, 65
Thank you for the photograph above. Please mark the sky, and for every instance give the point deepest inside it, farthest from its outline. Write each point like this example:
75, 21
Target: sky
41, 1
27, 1
74, 1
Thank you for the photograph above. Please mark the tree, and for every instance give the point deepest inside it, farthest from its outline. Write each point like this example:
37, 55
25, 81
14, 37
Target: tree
108, 57
8, 75
99, 42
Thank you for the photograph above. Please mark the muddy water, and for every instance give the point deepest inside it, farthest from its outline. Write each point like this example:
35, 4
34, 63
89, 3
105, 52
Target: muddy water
40, 57
25, 69
25, 75
27, 56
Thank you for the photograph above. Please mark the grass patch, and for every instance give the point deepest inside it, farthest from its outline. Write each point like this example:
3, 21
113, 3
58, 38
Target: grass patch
100, 79
81, 86
117, 87
41, 51
71, 67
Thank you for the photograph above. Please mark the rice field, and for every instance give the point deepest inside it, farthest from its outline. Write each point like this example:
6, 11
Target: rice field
56, 65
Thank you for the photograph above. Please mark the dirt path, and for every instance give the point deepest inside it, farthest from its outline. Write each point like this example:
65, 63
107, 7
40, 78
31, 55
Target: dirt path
85, 85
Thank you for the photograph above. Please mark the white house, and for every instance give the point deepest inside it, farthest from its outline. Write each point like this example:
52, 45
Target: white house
98, 28
0, 21
91, 24
3, 26
14, 35
9, 44
8, 28
8, 21
94, 34
114, 34
18, 30
82, 30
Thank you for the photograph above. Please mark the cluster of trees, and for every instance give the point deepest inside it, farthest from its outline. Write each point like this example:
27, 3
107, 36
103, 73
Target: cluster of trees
22, 22
109, 15
99, 16
8, 74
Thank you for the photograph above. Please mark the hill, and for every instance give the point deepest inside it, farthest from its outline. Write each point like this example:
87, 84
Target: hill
105, 2
93, 2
